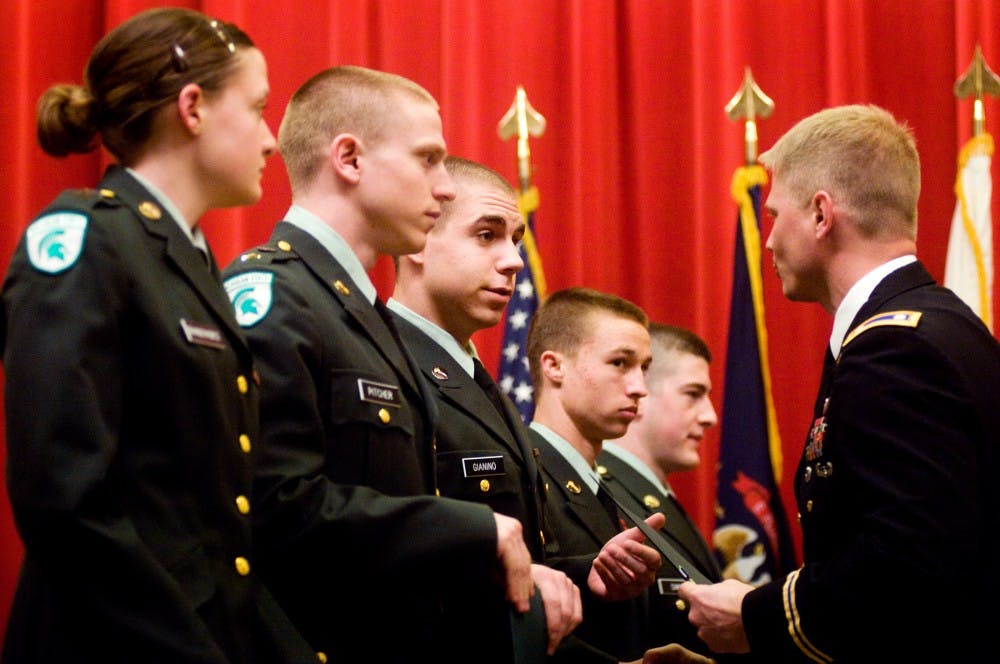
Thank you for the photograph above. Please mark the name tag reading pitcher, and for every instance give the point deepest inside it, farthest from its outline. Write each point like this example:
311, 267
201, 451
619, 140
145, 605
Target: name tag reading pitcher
380, 393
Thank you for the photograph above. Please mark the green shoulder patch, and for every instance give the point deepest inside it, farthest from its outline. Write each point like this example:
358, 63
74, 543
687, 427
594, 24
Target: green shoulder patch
55, 241
893, 318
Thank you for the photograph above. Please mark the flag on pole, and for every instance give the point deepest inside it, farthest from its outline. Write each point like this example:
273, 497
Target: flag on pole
968, 268
529, 291
751, 537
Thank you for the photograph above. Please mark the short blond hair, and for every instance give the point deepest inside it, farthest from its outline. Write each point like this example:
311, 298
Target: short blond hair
863, 156
345, 99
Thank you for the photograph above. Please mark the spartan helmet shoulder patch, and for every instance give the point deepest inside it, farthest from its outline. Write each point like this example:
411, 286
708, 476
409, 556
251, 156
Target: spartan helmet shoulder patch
55, 241
250, 294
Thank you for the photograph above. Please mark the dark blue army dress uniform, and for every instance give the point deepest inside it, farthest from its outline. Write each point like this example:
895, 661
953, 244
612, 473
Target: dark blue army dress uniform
131, 419
897, 491
351, 537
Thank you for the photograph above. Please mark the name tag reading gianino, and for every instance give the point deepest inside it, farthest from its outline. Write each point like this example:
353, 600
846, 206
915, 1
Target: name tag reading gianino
484, 466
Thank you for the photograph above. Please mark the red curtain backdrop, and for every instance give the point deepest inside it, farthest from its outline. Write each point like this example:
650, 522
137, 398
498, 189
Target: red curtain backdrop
634, 169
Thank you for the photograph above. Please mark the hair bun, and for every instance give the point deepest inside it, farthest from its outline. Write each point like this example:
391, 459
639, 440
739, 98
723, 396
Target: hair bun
67, 120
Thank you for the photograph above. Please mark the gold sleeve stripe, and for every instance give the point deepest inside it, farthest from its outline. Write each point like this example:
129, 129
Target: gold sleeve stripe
895, 318
794, 627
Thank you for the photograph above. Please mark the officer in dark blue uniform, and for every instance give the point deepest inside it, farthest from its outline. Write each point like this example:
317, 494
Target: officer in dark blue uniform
895, 486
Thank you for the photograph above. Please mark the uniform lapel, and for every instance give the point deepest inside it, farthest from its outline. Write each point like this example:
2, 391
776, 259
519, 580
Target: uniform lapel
178, 248
336, 280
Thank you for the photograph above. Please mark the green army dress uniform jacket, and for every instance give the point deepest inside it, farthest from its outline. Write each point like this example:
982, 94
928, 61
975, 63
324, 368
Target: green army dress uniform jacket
131, 416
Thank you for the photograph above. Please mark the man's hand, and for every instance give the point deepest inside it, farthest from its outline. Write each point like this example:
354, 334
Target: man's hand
625, 566
515, 561
561, 599
674, 654
717, 611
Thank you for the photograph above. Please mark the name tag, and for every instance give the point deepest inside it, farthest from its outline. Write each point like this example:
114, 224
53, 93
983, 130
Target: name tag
202, 335
668, 586
483, 466
380, 393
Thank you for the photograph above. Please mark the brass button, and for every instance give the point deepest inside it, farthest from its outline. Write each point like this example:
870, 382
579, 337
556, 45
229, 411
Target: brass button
284, 246
107, 193
651, 501
484, 486
680, 604
243, 504
245, 443
573, 487
241, 384
809, 505
437, 492
384, 415
321, 656
242, 566
602, 470
343, 289
798, 516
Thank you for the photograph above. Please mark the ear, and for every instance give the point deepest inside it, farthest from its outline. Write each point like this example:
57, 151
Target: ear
552, 366
345, 150
189, 107
822, 211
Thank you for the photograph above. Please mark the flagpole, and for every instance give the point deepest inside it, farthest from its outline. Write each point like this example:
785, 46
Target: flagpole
978, 81
969, 264
522, 121
751, 531
748, 103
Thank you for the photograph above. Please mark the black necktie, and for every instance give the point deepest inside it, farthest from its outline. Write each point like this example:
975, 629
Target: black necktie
485, 381
656, 539
609, 506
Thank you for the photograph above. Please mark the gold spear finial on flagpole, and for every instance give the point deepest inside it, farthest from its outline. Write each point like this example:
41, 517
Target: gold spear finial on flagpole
522, 120
749, 102
978, 80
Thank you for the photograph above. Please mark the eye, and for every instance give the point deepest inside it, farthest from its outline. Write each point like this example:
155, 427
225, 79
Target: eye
486, 235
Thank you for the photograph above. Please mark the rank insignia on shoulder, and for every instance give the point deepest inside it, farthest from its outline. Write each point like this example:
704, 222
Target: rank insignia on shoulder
55, 241
150, 210
891, 318
251, 294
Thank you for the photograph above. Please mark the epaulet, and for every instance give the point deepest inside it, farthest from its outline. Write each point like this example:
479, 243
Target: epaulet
268, 253
893, 318
89, 197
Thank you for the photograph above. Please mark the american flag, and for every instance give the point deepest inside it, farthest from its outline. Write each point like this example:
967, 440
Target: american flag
529, 290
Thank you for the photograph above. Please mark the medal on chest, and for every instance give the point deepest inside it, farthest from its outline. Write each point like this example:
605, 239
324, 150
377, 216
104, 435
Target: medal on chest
814, 446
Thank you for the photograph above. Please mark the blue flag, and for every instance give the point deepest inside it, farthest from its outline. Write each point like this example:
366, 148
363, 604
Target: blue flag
529, 291
752, 537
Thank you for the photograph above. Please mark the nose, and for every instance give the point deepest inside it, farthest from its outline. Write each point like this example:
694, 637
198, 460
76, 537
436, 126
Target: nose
637, 383
444, 187
270, 144
510, 261
708, 417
